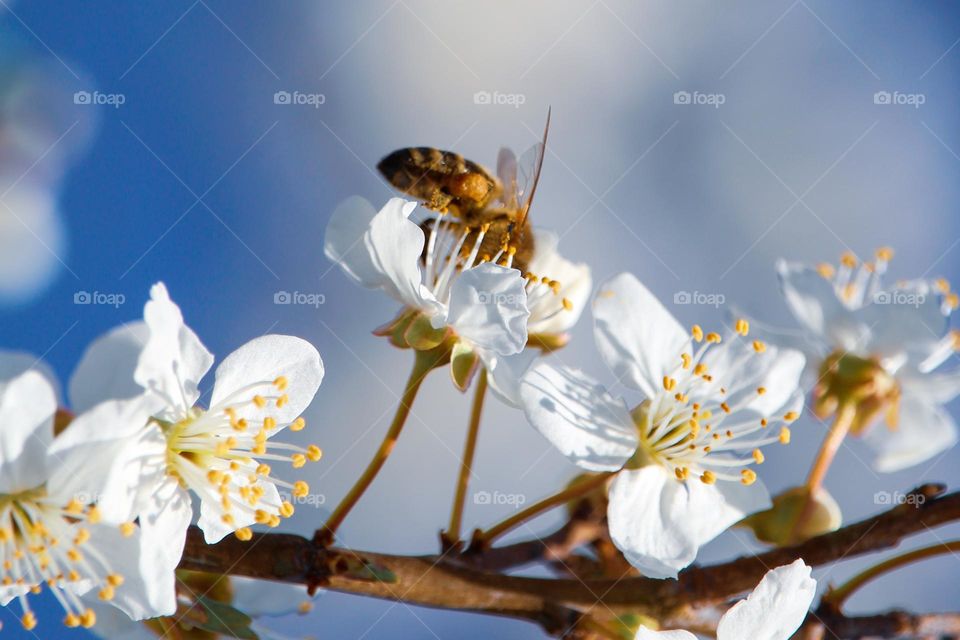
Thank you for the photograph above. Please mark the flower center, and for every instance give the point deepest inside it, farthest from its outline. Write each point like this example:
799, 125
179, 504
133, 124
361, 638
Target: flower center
702, 426
42, 542
846, 379
221, 455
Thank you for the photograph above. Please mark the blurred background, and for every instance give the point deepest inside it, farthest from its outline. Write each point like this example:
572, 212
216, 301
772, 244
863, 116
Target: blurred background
204, 143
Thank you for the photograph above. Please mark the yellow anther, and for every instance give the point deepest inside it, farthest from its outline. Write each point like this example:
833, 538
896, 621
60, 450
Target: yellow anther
214, 476
742, 327
759, 346
567, 304
952, 301
73, 575
849, 260
260, 401
790, 416
88, 618
682, 473
761, 391
286, 509
784, 435
298, 460
74, 506
227, 519
93, 515
280, 383
106, 594
244, 534
115, 579
758, 456
725, 407
314, 453
29, 621
748, 476
127, 529
942, 285
713, 338
763, 422
82, 536
697, 333
239, 425
686, 359
282, 400
300, 489
825, 270
708, 477
74, 555
669, 383
298, 424
269, 423
261, 516
263, 469
72, 620
700, 369
884, 253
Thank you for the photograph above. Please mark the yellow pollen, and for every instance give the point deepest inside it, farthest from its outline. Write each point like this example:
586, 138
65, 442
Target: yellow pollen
227, 519
884, 253
784, 435
314, 453
761, 391
708, 477
748, 476
72, 620
300, 489
790, 416
263, 469
758, 456
759, 346
74, 507
280, 383
763, 422
952, 301
73, 576
942, 285
115, 579
127, 529
714, 338
259, 401
742, 327
214, 476
567, 304
825, 270
269, 423
106, 594
725, 407
669, 383
286, 509
282, 400
93, 515
244, 534
298, 460
686, 359
29, 621
697, 333
700, 369
848, 260
82, 536
88, 619
298, 424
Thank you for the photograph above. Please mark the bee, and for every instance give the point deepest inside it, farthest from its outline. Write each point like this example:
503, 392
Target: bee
446, 182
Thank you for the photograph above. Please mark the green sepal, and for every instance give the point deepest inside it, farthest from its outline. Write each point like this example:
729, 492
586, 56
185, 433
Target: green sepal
421, 335
464, 362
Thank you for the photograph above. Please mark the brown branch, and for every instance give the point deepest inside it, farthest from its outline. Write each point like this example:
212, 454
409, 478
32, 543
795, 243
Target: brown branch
827, 624
450, 583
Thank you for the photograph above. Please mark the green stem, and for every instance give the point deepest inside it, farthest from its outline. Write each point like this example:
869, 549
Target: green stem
828, 451
836, 597
422, 365
469, 450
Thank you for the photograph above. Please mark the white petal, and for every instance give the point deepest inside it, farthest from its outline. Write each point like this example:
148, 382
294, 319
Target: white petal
263, 360
659, 522
923, 430
588, 425
13, 363
937, 388
163, 533
344, 244
211, 512
106, 369
142, 595
775, 609
488, 308
905, 321
101, 455
575, 285
174, 360
740, 370
646, 634
266, 598
113, 624
814, 303
637, 337
27, 406
506, 372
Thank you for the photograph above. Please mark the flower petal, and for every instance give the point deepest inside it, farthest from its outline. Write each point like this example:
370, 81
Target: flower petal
636, 336
659, 522
27, 406
141, 595
488, 308
547, 315
174, 360
775, 609
262, 361
163, 534
646, 634
506, 372
267, 598
13, 363
343, 241
106, 369
814, 303
588, 425
923, 430
907, 320
212, 512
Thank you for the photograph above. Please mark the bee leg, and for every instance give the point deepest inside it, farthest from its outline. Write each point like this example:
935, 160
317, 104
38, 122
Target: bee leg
438, 200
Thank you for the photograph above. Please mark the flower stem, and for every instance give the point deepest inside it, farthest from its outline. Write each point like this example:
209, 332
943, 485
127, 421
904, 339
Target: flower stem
422, 365
836, 597
576, 490
452, 535
828, 451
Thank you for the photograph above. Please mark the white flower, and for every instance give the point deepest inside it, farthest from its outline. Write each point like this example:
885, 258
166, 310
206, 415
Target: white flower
457, 294
557, 292
773, 611
858, 333
221, 453
682, 455
55, 518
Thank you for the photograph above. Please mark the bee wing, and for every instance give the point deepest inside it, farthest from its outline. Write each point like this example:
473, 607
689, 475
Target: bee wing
531, 162
507, 172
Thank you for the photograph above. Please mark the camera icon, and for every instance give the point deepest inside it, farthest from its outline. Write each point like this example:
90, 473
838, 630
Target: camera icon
82, 297
282, 297
282, 97
482, 97
882, 97
82, 97
681, 97
682, 297
882, 497
482, 497
882, 297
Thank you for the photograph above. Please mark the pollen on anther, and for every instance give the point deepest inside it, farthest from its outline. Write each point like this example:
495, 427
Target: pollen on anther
669, 383
848, 260
759, 346
708, 477
761, 391
758, 456
742, 327
825, 270
790, 416
127, 529
784, 435
260, 401
244, 534
714, 338
314, 453
748, 476
884, 253
697, 333
280, 383
567, 304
